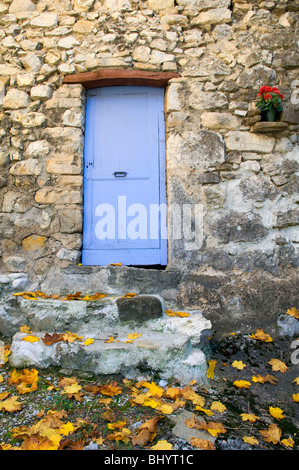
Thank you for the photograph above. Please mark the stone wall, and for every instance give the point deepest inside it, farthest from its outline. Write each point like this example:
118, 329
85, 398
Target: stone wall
245, 179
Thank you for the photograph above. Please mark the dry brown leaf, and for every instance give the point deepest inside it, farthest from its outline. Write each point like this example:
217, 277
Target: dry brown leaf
110, 389
203, 444
278, 365
261, 335
263, 379
11, 404
213, 428
249, 417
272, 434
293, 312
54, 338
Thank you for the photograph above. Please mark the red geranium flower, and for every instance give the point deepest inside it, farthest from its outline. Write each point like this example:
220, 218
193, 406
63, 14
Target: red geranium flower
268, 97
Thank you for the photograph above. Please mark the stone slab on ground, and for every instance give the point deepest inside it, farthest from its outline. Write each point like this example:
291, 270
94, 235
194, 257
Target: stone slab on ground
182, 431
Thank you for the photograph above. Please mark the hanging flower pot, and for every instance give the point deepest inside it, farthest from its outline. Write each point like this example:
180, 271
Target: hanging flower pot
269, 103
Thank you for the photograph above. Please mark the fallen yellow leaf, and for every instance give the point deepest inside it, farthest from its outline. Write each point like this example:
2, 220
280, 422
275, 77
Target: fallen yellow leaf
288, 442
162, 445
203, 444
272, 434
249, 417
296, 397
25, 329
11, 404
218, 406
88, 341
134, 335
250, 440
278, 365
293, 312
31, 339
261, 335
211, 368
242, 383
276, 412
238, 365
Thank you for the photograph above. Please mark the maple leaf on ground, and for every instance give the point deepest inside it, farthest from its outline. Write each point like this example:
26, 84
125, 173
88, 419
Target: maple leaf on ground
11, 404
218, 406
76, 296
88, 341
276, 412
153, 388
211, 369
25, 380
38, 443
162, 445
146, 432
96, 296
261, 335
25, 329
263, 379
122, 435
171, 313
252, 418
71, 337
293, 312
288, 442
272, 434
213, 428
71, 388
30, 339
110, 389
242, 383
238, 365
51, 339
250, 440
117, 425
129, 295
203, 444
173, 393
278, 365
295, 397
189, 394
296, 380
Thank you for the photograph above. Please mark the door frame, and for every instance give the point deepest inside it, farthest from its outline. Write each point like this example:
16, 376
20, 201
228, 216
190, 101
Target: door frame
160, 254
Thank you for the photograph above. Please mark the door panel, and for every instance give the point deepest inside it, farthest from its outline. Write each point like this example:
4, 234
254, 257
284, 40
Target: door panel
124, 176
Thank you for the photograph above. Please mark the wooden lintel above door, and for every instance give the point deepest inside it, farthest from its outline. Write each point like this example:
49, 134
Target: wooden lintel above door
120, 77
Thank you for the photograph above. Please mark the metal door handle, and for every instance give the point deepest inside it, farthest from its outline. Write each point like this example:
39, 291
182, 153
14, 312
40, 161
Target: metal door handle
120, 174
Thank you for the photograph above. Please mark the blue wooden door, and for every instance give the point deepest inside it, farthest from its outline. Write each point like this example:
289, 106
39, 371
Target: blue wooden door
124, 177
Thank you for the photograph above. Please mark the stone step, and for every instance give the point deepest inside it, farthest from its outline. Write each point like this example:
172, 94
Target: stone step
168, 345
85, 317
169, 356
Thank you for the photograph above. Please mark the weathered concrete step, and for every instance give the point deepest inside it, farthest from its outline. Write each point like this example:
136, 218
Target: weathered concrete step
170, 355
80, 316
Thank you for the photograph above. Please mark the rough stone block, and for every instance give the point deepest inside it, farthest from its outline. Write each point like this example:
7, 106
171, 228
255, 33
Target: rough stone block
160, 4
50, 195
26, 167
16, 99
245, 141
45, 20
212, 17
216, 120
140, 308
41, 92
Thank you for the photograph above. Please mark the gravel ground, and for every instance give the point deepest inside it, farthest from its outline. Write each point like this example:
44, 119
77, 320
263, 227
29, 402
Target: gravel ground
93, 431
